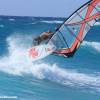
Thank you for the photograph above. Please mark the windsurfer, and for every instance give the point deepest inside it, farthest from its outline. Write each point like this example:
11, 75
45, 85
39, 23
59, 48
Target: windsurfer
44, 36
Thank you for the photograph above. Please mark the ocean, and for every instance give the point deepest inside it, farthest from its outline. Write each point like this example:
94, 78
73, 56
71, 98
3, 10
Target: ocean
51, 78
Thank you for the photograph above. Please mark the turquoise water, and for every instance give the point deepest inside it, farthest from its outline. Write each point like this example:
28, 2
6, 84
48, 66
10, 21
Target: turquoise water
52, 78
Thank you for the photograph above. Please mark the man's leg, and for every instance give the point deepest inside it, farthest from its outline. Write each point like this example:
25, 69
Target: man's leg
38, 40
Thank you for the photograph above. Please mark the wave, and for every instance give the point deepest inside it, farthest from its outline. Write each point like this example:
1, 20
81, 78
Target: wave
48, 22
53, 22
94, 45
16, 63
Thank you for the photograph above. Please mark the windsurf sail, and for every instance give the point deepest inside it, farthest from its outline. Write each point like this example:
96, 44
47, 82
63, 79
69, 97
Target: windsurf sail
71, 33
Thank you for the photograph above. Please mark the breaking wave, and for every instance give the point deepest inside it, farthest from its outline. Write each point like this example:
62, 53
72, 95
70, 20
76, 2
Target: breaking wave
16, 63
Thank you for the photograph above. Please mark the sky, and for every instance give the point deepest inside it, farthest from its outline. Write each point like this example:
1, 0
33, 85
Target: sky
42, 8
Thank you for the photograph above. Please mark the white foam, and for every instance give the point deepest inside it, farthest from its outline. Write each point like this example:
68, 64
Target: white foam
16, 63
94, 45
52, 22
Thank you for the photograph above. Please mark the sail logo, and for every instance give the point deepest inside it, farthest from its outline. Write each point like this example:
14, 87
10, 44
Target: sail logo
33, 53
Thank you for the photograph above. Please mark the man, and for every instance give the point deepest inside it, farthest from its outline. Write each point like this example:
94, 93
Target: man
44, 36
